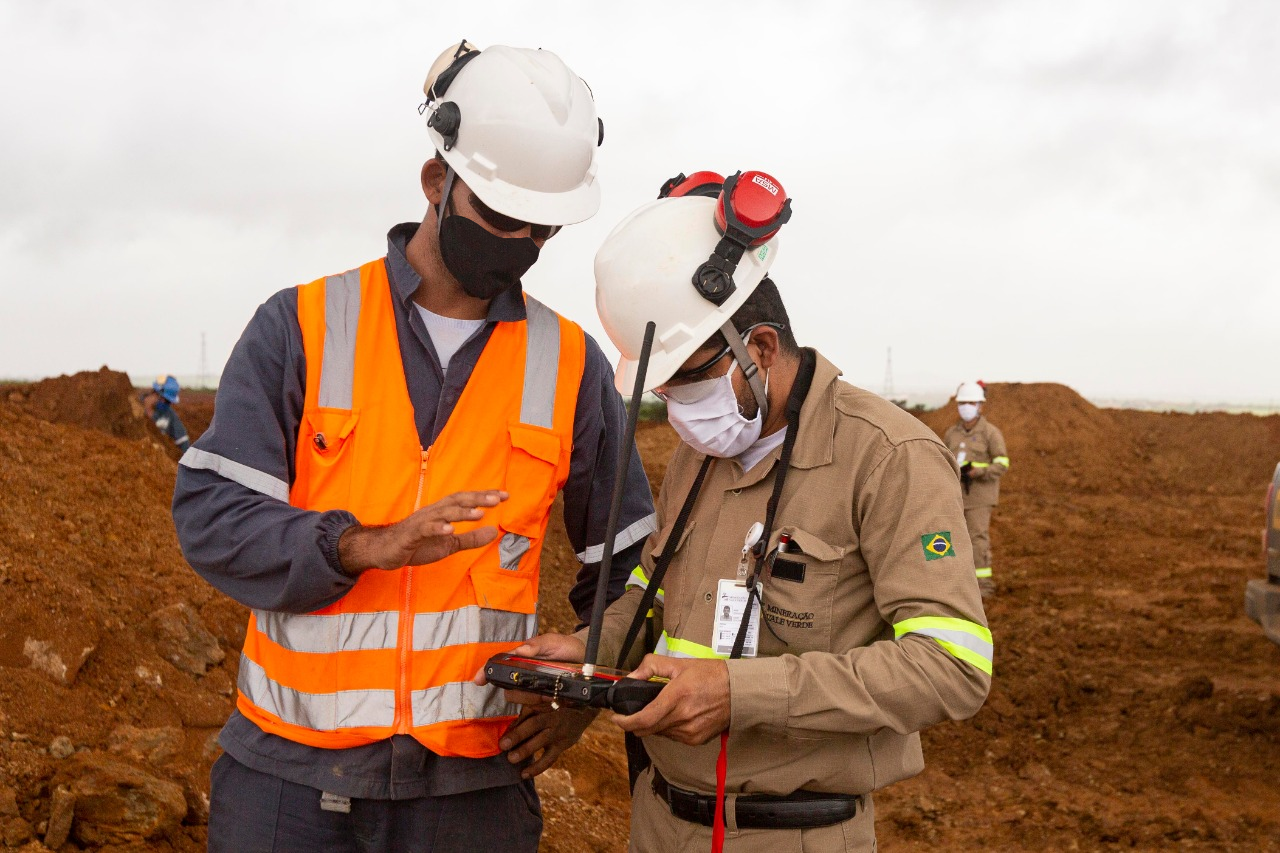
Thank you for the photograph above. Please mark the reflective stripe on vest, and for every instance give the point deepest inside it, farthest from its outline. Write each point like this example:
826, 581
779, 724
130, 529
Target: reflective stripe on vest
368, 631
342, 314
397, 652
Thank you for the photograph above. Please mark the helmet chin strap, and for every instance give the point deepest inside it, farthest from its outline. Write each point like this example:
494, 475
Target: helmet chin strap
449, 175
749, 370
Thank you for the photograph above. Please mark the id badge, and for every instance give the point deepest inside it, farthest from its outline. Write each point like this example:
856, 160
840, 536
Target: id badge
731, 600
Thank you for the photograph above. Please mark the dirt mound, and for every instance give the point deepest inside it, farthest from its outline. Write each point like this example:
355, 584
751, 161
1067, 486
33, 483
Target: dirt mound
113, 651
102, 400
1063, 443
1055, 436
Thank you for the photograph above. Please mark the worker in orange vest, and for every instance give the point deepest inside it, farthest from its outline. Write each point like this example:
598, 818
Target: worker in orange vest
376, 486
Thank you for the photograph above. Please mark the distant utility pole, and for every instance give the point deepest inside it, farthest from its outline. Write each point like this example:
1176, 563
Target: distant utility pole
204, 364
888, 375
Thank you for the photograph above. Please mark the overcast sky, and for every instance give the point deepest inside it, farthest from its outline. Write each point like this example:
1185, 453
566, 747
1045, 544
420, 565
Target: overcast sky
1084, 192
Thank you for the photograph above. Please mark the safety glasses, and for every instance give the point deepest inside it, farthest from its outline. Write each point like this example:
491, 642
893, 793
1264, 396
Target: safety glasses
688, 393
509, 224
680, 376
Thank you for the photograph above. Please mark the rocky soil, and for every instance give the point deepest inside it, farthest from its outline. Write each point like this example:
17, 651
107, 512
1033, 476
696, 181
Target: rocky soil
1134, 706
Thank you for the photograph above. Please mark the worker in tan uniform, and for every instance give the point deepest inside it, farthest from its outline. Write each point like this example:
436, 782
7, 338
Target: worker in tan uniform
840, 510
980, 450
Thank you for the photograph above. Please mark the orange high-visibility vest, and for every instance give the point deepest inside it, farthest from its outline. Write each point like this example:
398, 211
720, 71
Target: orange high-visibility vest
397, 653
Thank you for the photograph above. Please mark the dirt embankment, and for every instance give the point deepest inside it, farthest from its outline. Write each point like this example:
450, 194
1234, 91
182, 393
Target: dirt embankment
1134, 706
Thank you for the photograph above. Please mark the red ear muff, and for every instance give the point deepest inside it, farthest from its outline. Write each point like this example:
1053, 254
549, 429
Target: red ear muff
758, 206
750, 210
699, 183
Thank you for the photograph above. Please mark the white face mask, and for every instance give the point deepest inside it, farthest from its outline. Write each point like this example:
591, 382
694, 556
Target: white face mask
712, 423
968, 411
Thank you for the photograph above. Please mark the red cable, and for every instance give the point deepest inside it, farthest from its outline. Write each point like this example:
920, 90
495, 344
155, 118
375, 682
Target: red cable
722, 770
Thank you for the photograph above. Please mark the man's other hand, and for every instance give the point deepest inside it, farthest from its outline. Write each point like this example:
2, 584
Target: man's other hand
423, 537
544, 732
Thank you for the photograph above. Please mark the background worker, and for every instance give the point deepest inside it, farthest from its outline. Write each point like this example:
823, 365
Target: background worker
377, 482
979, 448
158, 404
871, 627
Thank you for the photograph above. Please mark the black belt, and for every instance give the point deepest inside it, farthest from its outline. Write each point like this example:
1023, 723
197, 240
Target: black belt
800, 810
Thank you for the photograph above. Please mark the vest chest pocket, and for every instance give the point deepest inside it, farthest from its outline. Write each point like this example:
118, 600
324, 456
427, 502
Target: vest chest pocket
531, 480
325, 441
799, 596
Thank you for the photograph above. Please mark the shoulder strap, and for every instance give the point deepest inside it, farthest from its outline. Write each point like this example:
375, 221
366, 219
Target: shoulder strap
668, 553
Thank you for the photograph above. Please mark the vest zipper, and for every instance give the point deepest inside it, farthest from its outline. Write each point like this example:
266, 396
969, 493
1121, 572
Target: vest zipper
404, 713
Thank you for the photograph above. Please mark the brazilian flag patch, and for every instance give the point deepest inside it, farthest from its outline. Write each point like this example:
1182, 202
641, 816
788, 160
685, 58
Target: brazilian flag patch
937, 545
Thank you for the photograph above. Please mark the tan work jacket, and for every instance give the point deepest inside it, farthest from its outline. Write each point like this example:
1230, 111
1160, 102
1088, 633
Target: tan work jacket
870, 636
984, 447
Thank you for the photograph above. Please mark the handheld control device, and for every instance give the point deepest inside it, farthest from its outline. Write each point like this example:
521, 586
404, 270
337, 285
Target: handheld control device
605, 688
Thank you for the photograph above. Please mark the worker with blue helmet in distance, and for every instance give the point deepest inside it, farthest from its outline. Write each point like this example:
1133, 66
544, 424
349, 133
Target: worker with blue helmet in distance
159, 403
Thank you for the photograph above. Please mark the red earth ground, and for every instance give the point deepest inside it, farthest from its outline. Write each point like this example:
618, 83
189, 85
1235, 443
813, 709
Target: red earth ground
1134, 706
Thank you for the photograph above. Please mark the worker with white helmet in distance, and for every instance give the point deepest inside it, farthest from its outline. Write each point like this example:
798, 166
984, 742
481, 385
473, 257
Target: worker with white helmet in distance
980, 449
828, 520
158, 403
376, 486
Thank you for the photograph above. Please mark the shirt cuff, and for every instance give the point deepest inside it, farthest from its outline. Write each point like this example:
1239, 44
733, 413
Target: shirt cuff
759, 694
332, 525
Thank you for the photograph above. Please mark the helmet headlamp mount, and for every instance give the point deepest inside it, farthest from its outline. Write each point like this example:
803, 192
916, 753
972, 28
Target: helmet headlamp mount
446, 117
751, 208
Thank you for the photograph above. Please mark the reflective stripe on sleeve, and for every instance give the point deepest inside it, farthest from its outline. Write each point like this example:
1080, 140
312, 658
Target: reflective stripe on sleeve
460, 700
981, 464
984, 572
236, 472
674, 647
343, 709
640, 580
1001, 460
967, 641
625, 539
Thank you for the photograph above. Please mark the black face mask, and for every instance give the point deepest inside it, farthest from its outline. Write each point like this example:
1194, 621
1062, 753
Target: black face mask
483, 263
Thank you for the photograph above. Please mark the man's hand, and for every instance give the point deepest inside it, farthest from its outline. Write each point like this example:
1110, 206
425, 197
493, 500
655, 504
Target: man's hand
562, 647
539, 729
423, 537
977, 472
692, 709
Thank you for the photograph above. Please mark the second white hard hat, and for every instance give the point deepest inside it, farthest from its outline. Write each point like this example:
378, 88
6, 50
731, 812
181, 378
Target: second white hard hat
971, 392
520, 129
644, 271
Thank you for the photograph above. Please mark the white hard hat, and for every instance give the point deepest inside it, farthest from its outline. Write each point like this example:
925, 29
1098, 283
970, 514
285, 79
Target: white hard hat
971, 392
520, 128
644, 271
